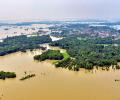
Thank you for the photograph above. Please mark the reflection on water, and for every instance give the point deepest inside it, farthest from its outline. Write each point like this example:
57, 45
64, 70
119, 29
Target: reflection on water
53, 83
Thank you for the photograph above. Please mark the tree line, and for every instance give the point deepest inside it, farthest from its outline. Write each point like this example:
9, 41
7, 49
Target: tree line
90, 52
22, 43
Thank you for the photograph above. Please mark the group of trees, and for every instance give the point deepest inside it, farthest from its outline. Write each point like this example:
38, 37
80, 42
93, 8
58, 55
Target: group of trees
4, 75
49, 54
89, 52
67, 63
22, 43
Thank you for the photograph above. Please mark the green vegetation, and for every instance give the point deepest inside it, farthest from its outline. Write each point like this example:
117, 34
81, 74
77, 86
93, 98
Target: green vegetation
22, 43
65, 54
89, 52
27, 77
4, 75
67, 62
49, 54
64, 59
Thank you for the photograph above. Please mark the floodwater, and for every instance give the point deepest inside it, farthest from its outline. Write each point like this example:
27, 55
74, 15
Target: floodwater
11, 30
52, 83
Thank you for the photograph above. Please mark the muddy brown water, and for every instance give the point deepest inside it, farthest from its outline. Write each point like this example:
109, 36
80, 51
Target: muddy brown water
53, 83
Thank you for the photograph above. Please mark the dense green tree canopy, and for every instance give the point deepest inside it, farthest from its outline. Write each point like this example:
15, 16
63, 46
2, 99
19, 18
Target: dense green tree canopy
89, 52
22, 43
49, 54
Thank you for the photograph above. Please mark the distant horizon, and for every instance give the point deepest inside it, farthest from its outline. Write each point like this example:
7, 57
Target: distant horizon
27, 10
79, 20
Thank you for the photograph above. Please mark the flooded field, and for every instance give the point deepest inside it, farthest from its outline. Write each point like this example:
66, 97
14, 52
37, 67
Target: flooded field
53, 83
12, 30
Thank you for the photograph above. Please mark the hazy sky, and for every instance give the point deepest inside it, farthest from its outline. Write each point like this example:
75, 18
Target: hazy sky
59, 9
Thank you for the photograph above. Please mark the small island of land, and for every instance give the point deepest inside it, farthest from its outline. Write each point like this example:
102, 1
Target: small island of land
4, 75
27, 77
